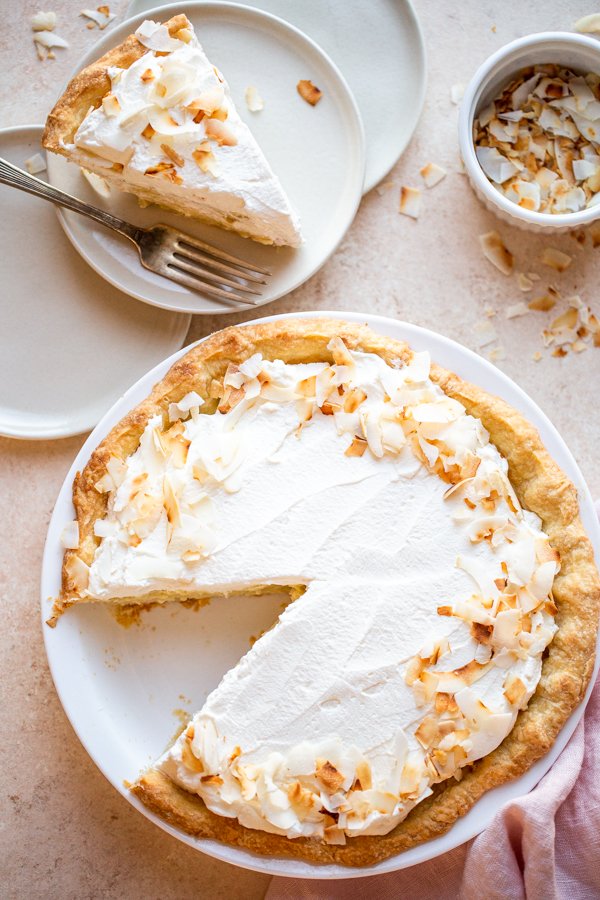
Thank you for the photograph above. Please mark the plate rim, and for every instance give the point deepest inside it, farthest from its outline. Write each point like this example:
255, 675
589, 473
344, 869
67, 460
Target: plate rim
371, 181
82, 423
285, 867
359, 149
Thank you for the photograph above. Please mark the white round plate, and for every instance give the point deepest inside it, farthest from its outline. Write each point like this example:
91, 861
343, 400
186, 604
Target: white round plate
367, 39
120, 688
317, 152
69, 344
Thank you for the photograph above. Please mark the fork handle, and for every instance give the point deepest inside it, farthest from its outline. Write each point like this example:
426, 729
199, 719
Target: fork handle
15, 177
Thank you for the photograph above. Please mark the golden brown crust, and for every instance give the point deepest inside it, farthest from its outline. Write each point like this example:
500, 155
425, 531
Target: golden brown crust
88, 88
541, 487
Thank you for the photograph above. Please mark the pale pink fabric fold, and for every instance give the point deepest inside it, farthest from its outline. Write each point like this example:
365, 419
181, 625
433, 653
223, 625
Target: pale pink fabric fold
543, 846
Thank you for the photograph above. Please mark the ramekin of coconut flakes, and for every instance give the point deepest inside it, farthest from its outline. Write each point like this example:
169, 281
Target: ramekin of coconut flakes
529, 131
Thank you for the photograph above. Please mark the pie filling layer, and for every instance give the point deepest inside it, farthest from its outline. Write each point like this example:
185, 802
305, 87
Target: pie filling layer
426, 603
168, 131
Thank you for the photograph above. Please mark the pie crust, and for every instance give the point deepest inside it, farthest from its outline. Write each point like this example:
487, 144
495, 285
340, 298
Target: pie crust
541, 487
88, 88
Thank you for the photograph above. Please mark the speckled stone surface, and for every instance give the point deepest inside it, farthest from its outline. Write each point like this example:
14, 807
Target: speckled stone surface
65, 832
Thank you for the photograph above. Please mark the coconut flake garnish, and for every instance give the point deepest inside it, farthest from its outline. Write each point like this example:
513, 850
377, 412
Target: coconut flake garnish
254, 101
588, 24
70, 536
538, 142
432, 174
525, 282
456, 93
410, 202
496, 252
309, 91
35, 164
516, 309
556, 259
156, 37
101, 16
43, 21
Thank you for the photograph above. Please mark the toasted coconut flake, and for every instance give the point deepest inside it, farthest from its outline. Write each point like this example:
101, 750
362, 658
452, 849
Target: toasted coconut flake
588, 24
147, 76
515, 691
357, 447
536, 356
497, 354
172, 154
101, 16
49, 40
212, 780
456, 93
221, 133
254, 101
496, 252
205, 160
556, 259
329, 776
432, 174
525, 282
70, 536
43, 21
543, 303
189, 758
579, 346
35, 164
111, 105
410, 202
77, 571
309, 91
516, 309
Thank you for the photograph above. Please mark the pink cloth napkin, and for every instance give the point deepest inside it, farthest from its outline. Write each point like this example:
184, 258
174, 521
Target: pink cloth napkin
543, 846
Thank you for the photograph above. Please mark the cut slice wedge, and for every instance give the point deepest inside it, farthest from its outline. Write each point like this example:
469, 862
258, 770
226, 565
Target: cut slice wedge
155, 118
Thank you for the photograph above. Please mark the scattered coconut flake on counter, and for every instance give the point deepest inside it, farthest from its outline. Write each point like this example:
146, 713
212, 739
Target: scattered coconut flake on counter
497, 354
588, 24
496, 252
544, 303
538, 142
516, 309
556, 259
456, 93
309, 91
576, 329
486, 333
46, 41
536, 356
97, 183
489, 311
101, 16
254, 101
43, 21
35, 164
525, 282
410, 202
432, 174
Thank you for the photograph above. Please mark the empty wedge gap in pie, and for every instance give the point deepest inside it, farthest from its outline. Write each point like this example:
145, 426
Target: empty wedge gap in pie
445, 594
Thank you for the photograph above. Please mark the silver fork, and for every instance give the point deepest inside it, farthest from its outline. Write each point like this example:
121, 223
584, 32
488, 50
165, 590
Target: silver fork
164, 250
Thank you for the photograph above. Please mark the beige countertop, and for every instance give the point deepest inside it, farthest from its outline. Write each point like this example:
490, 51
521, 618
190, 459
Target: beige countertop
65, 832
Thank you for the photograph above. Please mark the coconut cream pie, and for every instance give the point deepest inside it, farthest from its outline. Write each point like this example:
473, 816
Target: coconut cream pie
154, 117
444, 593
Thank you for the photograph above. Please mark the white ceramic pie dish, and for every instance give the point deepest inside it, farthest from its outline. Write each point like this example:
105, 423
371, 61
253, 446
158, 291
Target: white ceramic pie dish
575, 51
120, 687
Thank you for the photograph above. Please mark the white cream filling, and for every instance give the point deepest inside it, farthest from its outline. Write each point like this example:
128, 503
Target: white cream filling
374, 684
239, 190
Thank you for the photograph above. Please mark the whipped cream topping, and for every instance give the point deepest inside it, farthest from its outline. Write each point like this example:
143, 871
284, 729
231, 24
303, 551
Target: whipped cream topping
170, 126
427, 589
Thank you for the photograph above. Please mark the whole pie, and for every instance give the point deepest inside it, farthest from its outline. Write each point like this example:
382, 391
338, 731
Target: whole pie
154, 117
443, 595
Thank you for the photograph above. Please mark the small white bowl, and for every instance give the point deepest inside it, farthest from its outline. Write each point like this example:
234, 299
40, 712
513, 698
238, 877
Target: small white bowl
574, 51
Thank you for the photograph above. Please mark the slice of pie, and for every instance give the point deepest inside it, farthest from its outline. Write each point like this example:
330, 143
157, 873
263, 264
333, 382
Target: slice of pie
154, 117
445, 599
